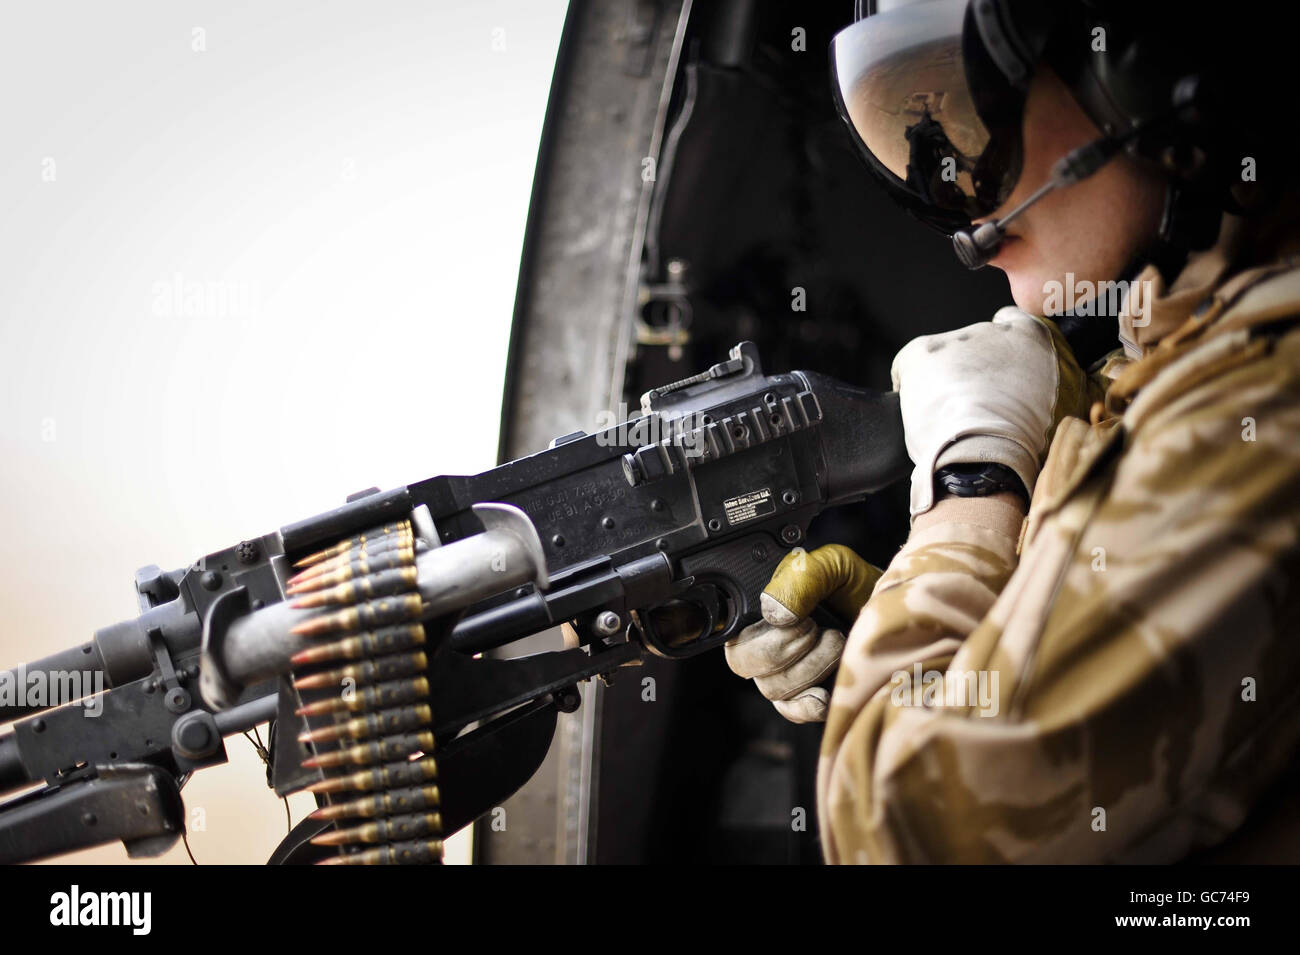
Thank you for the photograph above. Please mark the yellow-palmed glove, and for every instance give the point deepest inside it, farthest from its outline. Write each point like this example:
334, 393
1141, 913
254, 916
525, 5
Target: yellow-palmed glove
786, 653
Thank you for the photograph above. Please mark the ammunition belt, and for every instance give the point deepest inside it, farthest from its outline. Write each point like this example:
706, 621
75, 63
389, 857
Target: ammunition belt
365, 699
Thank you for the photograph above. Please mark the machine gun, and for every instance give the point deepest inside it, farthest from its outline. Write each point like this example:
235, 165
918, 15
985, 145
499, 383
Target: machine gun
359, 634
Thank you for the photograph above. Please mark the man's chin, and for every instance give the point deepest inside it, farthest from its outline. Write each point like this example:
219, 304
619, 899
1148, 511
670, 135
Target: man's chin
1027, 291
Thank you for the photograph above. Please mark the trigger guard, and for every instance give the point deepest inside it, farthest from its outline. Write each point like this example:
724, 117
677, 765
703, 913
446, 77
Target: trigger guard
657, 645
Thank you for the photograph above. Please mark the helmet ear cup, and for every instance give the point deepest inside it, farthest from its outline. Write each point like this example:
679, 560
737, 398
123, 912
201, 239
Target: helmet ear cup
1201, 95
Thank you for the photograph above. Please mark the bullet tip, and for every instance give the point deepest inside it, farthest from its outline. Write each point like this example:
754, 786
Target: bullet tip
334, 838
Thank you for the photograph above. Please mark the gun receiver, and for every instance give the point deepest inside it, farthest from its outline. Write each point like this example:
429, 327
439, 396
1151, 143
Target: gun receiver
656, 534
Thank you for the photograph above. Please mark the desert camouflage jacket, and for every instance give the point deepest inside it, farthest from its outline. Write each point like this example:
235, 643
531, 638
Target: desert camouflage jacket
1116, 677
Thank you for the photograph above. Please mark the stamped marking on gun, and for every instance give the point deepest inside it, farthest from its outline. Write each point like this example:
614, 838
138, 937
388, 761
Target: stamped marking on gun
746, 507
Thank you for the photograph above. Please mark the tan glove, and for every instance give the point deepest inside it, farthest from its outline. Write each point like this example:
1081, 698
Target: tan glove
990, 392
786, 653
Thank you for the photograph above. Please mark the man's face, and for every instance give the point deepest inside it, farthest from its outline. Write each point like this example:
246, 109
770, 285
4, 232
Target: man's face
1091, 229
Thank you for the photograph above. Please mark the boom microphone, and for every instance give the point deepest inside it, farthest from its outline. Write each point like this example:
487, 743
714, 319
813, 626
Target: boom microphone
976, 249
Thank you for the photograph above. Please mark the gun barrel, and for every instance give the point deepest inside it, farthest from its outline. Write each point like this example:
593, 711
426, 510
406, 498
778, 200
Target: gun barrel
83, 661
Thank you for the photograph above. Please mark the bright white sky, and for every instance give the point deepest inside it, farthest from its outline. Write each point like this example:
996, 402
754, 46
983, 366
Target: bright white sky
254, 257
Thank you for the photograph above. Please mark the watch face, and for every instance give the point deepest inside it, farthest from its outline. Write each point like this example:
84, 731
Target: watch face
978, 480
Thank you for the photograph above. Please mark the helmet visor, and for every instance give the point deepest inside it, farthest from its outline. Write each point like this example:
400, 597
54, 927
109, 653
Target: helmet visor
900, 82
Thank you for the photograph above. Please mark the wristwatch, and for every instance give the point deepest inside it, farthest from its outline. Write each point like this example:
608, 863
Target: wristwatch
977, 480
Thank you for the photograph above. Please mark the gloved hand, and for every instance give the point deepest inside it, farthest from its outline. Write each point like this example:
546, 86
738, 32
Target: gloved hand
990, 392
787, 653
